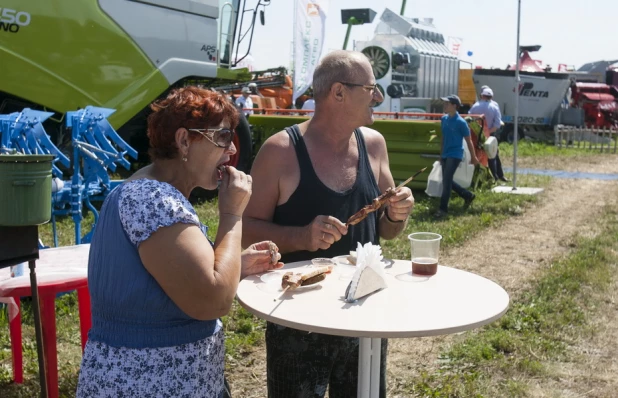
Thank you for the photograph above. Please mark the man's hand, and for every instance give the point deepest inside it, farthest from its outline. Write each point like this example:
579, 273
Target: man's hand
323, 232
256, 259
400, 205
474, 160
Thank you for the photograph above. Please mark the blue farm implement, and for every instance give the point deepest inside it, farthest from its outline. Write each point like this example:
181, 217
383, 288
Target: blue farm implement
96, 150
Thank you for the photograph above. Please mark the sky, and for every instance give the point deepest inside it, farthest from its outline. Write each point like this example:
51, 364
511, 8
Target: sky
570, 32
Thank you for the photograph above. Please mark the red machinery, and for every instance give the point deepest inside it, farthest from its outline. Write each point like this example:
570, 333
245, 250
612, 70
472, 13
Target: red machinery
599, 102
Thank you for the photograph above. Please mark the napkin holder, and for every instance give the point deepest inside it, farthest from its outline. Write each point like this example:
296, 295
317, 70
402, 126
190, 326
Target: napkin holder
369, 277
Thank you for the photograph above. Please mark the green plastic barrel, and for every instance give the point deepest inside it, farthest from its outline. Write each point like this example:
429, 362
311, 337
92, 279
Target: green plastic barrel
25, 189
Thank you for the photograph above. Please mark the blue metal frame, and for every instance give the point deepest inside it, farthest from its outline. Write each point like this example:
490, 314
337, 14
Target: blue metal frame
97, 147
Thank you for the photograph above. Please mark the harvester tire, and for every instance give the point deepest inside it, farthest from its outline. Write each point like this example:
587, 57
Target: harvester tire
241, 160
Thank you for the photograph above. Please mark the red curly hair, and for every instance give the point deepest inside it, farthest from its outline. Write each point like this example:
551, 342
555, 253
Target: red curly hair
189, 107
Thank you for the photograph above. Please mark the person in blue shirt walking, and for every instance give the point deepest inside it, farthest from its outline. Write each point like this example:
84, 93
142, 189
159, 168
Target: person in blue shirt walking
493, 118
454, 131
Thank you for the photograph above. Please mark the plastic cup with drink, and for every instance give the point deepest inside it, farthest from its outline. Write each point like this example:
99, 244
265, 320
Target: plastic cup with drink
425, 247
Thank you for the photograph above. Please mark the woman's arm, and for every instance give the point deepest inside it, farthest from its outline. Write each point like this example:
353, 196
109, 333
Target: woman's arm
201, 281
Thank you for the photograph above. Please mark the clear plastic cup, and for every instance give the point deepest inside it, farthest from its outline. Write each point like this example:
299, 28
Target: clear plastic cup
425, 248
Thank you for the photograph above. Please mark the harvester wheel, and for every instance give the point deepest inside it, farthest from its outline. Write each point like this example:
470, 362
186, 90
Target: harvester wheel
244, 146
508, 136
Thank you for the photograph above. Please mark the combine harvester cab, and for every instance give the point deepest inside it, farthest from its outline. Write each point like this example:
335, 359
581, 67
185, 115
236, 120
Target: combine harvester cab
119, 54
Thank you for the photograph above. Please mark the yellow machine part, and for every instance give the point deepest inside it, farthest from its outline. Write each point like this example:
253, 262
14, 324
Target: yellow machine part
466, 90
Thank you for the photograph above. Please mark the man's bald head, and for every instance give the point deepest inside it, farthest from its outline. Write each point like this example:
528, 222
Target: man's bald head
336, 66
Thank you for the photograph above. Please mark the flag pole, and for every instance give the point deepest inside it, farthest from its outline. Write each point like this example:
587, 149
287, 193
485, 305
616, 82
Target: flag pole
516, 116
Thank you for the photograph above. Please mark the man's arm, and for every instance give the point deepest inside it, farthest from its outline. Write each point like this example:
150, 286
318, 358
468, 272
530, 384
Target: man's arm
266, 172
497, 117
270, 171
395, 213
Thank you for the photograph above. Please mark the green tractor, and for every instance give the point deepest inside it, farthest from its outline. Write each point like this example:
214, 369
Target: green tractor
63, 55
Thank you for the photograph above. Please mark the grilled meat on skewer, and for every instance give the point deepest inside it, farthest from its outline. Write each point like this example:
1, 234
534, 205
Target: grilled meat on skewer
375, 205
379, 201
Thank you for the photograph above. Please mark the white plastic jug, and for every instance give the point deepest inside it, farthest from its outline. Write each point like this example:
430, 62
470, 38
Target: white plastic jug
491, 147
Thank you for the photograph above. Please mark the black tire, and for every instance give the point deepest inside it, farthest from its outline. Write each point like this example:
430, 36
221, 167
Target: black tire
244, 146
506, 134
511, 136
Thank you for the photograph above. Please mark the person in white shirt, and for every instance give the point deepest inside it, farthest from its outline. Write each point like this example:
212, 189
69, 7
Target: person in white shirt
309, 105
244, 101
490, 108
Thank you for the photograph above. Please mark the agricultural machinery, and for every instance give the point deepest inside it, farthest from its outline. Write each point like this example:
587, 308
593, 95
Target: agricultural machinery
546, 99
81, 180
62, 55
411, 63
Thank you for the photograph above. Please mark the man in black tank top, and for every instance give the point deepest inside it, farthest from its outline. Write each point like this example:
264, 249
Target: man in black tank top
307, 181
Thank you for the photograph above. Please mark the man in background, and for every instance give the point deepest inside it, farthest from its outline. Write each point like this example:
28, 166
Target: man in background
309, 105
244, 102
493, 121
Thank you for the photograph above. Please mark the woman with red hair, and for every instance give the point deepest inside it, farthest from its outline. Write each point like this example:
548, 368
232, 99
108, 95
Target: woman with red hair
158, 285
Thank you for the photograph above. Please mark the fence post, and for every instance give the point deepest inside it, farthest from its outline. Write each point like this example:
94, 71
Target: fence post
556, 141
607, 131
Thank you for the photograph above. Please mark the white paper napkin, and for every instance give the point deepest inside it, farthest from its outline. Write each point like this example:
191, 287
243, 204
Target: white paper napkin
369, 276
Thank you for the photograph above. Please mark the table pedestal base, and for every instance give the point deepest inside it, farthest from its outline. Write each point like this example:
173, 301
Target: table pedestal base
369, 367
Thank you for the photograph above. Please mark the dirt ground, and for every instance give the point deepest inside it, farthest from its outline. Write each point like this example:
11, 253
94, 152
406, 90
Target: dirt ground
511, 254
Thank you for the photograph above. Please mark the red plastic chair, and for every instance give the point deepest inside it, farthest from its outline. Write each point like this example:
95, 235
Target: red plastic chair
49, 285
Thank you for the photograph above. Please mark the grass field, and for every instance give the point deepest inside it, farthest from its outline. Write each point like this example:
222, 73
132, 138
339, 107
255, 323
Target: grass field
535, 328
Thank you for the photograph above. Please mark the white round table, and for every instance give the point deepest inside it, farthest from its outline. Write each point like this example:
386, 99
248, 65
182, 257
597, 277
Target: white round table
411, 306
57, 270
57, 260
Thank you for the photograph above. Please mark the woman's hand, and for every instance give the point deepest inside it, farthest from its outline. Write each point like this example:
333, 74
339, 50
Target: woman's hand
256, 259
234, 191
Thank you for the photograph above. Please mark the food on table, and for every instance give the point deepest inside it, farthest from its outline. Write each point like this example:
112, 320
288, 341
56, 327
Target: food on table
324, 262
352, 258
294, 280
273, 252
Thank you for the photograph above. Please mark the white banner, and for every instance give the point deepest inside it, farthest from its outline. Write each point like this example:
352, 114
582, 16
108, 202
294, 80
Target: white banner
309, 26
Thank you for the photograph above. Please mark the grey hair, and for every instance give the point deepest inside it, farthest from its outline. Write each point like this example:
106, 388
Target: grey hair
336, 66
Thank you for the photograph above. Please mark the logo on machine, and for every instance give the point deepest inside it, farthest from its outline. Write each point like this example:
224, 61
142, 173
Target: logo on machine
527, 90
210, 51
12, 20
313, 10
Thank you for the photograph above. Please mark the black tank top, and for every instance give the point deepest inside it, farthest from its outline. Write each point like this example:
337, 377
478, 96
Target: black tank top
312, 198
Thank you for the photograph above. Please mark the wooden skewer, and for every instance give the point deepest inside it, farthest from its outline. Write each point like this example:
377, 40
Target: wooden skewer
403, 184
282, 293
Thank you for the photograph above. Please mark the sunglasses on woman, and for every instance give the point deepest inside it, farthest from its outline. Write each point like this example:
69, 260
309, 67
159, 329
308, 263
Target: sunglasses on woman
221, 138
